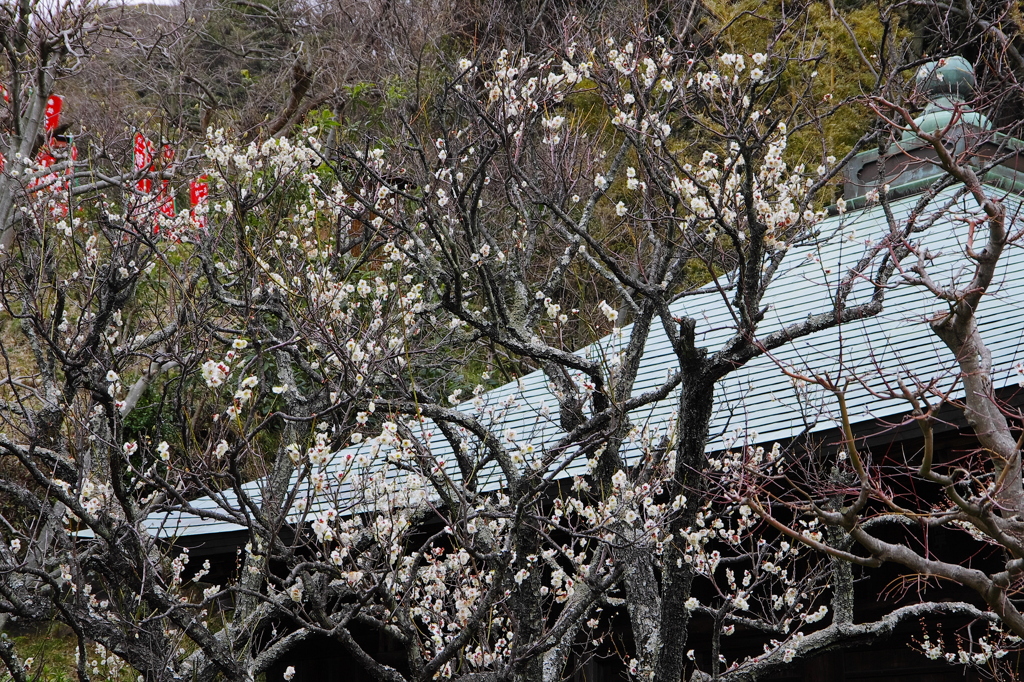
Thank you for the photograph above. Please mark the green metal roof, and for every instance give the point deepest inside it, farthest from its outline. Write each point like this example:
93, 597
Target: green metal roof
758, 401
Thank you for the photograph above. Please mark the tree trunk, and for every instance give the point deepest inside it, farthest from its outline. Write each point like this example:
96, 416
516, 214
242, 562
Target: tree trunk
696, 400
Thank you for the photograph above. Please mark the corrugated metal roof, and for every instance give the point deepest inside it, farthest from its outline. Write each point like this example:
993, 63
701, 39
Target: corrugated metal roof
758, 399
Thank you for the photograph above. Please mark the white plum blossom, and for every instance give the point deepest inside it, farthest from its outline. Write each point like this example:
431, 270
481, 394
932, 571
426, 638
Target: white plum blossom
610, 313
215, 373
296, 591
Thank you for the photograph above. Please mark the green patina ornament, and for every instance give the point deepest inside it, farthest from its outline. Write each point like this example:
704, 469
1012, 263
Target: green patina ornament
947, 84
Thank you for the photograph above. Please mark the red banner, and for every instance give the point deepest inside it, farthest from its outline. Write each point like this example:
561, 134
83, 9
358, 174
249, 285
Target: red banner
7, 98
143, 161
45, 160
50, 183
165, 201
198, 191
54, 103
143, 151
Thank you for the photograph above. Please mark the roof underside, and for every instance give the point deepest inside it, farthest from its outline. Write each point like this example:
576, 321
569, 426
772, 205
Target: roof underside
758, 402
